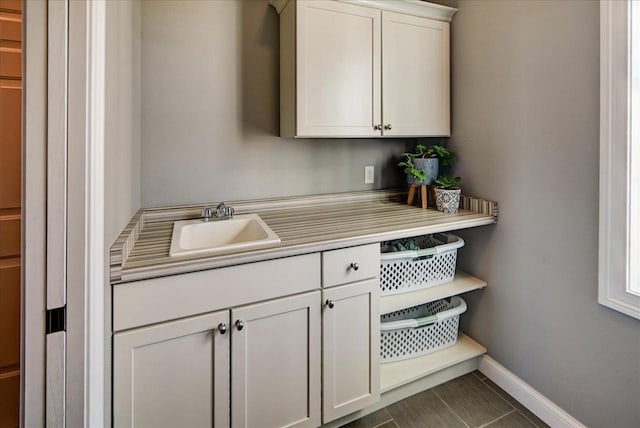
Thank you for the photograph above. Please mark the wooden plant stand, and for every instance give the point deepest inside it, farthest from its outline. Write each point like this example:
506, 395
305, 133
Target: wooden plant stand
423, 194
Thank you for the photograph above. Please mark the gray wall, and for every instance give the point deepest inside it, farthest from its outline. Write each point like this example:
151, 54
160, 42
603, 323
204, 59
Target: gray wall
526, 113
210, 113
122, 122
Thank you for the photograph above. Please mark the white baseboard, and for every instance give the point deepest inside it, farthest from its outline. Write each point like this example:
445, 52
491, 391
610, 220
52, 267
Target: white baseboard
537, 403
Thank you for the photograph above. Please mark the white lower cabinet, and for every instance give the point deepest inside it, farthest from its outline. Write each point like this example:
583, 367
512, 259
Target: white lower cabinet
173, 374
351, 348
289, 360
177, 373
275, 366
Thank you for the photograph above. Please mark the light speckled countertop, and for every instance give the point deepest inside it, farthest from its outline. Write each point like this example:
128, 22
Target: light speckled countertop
304, 225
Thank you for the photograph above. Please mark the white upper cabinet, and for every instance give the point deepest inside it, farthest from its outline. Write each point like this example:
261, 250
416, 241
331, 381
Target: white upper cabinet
338, 70
363, 68
415, 81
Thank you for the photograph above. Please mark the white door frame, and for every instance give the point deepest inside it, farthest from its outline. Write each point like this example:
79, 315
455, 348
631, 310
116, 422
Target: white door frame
83, 384
34, 208
86, 277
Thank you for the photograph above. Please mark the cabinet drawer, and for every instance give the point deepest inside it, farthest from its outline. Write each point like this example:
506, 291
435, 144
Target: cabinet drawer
11, 5
10, 237
10, 63
10, 403
10, 26
10, 145
9, 315
350, 264
162, 299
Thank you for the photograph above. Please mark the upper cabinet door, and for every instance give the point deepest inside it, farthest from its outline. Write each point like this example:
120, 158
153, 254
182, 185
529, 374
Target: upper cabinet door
275, 363
415, 81
338, 70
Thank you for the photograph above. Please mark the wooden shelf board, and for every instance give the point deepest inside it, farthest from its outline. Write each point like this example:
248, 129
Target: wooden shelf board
461, 283
393, 375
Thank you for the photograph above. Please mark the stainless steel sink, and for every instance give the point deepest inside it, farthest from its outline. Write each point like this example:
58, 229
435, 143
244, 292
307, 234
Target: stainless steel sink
241, 232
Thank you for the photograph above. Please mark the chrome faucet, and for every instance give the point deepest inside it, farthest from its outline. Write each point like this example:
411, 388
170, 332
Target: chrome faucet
222, 212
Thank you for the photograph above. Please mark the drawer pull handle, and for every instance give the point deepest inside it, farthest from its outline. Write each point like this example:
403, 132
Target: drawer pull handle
222, 328
330, 303
239, 325
354, 266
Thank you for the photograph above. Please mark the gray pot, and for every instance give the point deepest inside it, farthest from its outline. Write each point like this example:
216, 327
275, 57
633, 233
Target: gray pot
430, 165
448, 201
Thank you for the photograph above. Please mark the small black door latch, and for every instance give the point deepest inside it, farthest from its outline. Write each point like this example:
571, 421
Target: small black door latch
56, 320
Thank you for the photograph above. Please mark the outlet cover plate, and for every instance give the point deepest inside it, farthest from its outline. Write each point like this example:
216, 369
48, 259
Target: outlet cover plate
368, 175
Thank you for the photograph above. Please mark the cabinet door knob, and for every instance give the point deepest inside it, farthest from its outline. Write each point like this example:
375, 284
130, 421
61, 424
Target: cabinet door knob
387, 126
239, 325
222, 328
330, 303
354, 266
377, 127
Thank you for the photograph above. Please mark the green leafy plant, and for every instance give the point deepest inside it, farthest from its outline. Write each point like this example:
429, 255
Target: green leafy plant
440, 151
448, 183
410, 168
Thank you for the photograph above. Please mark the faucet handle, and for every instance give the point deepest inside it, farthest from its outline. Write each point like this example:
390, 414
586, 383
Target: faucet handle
223, 211
207, 213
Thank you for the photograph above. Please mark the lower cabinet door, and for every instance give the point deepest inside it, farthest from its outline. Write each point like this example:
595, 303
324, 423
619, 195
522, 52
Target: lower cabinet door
174, 374
350, 348
275, 366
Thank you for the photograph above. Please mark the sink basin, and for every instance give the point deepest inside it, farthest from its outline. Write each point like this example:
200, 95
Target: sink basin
242, 232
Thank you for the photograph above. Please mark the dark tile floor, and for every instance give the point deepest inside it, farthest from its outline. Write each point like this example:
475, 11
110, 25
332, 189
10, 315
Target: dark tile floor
471, 401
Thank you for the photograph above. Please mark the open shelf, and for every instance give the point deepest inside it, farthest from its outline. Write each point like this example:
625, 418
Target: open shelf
393, 375
462, 282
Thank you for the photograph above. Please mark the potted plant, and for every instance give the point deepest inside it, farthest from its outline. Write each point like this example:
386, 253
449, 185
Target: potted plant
448, 194
423, 165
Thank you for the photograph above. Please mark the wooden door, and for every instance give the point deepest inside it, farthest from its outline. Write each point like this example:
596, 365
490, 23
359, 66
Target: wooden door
174, 374
275, 363
338, 70
10, 208
415, 78
350, 348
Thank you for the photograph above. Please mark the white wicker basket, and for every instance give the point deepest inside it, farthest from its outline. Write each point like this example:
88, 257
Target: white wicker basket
420, 330
433, 264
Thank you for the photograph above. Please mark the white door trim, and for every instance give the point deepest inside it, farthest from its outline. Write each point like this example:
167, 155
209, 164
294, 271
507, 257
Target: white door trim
56, 213
85, 281
34, 188
57, 55
95, 214
85, 236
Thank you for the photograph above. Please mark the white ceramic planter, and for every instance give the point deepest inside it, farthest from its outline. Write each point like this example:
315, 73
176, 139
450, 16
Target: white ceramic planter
447, 201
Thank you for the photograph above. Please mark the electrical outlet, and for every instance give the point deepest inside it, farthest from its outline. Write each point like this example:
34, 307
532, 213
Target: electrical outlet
368, 175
